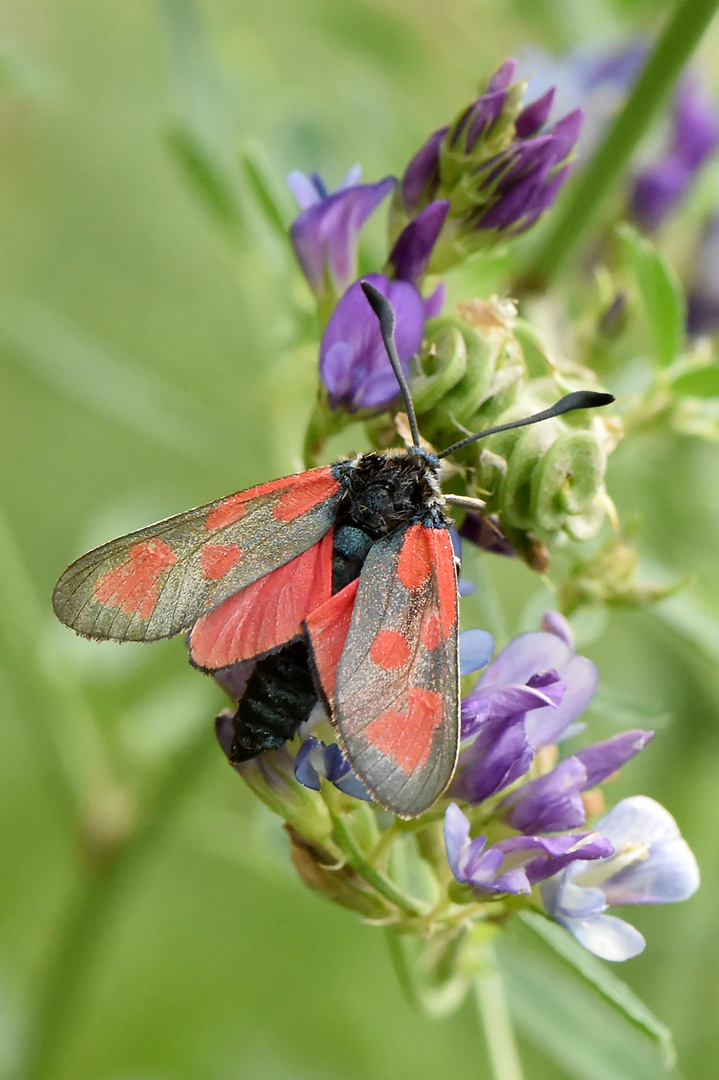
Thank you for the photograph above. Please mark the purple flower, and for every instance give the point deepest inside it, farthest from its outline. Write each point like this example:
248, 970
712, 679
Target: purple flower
550, 649
553, 802
353, 362
703, 296
315, 759
513, 865
421, 177
695, 135
494, 720
271, 770
497, 166
528, 697
411, 253
485, 531
324, 235
651, 864
475, 650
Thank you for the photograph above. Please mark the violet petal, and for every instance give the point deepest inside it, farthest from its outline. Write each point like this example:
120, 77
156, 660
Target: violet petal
353, 363
411, 253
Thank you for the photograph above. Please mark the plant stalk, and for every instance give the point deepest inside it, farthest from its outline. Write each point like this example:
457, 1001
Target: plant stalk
577, 212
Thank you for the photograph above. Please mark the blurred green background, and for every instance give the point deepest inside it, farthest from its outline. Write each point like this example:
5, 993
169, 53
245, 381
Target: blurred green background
148, 364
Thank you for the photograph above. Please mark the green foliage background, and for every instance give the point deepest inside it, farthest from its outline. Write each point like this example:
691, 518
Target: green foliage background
147, 364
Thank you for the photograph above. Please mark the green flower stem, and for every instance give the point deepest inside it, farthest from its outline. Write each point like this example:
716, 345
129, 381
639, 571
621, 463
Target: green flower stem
372, 876
99, 889
323, 424
577, 212
496, 1023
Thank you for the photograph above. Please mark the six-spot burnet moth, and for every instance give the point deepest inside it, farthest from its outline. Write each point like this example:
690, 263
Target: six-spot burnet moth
339, 582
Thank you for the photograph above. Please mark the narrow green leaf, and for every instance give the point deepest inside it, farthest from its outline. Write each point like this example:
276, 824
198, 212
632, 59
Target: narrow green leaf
699, 382
271, 196
204, 134
602, 978
206, 176
660, 292
581, 1020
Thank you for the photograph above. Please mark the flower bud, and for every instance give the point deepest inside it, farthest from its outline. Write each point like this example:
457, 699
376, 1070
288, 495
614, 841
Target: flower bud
495, 166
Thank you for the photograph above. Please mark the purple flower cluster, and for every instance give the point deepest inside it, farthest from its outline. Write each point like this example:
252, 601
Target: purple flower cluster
600, 80
694, 137
491, 173
495, 164
529, 698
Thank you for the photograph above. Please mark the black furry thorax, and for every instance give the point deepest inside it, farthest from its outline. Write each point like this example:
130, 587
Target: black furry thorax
384, 491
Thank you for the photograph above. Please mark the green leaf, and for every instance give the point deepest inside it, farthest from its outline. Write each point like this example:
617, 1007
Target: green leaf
660, 292
206, 176
204, 134
271, 196
698, 382
573, 1007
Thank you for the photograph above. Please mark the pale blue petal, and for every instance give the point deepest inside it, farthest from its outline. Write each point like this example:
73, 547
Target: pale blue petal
668, 874
607, 937
475, 650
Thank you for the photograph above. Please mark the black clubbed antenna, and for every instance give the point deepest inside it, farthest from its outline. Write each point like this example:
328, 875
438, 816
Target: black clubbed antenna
385, 315
579, 399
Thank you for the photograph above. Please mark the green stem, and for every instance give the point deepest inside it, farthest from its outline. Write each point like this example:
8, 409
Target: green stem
89, 912
496, 1023
372, 876
577, 212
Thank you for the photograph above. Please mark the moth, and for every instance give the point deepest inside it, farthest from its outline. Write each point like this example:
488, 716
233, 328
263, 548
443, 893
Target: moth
339, 583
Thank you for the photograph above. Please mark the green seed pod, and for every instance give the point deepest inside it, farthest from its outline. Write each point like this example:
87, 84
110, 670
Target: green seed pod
442, 363
481, 342
566, 480
516, 492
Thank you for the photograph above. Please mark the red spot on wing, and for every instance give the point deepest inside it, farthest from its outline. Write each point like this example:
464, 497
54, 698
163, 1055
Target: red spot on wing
133, 586
431, 631
406, 736
416, 557
327, 628
266, 614
446, 580
309, 490
229, 511
304, 491
216, 560
390, 649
